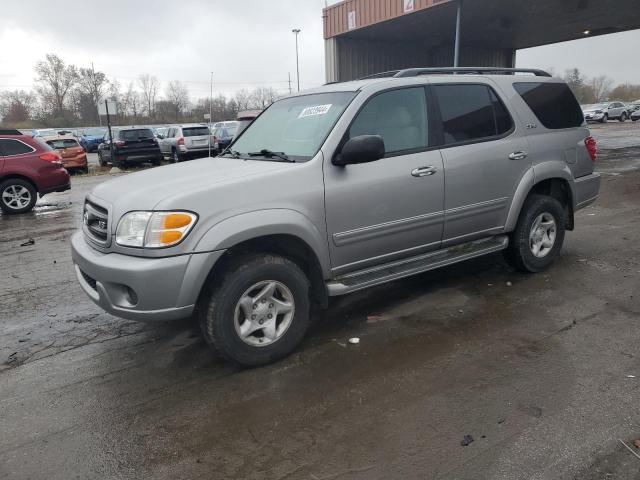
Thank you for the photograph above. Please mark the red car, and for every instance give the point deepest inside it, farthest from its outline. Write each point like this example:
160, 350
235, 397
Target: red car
28, 168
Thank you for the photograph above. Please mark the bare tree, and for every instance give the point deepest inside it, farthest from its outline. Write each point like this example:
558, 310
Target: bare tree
17, 107
93, 85
149, 86
178, 96
262, 97
131, 102
54, 81
243, 99
601, 87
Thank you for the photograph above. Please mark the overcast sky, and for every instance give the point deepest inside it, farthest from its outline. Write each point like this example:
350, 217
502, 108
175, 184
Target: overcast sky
246, 43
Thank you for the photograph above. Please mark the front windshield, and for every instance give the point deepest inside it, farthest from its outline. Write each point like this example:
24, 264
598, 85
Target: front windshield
295, 126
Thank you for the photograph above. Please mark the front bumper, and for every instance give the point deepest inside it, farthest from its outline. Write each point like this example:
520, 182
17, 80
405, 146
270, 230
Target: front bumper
593, 117
144, 289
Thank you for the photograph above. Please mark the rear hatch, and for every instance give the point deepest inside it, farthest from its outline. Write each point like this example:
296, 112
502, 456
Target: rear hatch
196, 137
67, 148
137, 142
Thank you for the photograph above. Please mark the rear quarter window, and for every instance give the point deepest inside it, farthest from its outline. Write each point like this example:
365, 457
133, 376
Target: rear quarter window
553, 104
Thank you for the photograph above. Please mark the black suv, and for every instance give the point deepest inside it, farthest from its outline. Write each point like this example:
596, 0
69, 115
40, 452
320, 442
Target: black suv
130, 145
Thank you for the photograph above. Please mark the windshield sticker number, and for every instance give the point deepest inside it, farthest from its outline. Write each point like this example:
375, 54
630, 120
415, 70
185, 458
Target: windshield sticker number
317, 110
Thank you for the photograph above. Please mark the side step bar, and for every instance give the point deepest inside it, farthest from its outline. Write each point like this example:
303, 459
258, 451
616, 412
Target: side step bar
369, 277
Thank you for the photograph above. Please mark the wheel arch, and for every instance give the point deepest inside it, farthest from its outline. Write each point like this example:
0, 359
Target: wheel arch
550, 178
279, 231
9, 176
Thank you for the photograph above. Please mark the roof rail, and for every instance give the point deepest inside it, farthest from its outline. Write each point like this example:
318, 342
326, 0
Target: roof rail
414, 72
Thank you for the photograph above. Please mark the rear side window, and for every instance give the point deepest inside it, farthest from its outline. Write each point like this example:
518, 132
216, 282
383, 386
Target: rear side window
553, 104
398, 116
195, 131
471, 112
10, 146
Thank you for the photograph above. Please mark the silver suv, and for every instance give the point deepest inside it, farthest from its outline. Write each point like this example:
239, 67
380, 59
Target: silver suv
601, 112
182, 142
338, 189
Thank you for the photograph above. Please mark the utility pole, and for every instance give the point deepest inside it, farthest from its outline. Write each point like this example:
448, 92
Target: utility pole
106, 107
210, 112
93, 70
456, 48
296, 31
290, 83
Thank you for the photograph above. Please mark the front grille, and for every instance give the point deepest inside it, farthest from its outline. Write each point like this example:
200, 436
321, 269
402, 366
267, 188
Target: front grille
89, 280
96, 222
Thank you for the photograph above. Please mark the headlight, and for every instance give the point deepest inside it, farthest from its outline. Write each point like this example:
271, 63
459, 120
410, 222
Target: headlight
154, 229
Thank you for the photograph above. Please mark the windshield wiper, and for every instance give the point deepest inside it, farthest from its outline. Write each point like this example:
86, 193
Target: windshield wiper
229, 151
270, 154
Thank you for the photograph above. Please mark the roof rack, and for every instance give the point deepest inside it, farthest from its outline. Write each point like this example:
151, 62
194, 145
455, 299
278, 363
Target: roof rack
414, 72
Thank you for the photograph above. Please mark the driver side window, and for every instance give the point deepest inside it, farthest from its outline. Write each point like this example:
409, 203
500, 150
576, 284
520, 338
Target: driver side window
398, 116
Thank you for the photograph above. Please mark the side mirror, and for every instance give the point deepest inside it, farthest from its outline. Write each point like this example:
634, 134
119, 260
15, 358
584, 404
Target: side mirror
361, 149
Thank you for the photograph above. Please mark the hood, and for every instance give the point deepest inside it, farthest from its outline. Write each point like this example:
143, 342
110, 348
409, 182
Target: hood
169, 185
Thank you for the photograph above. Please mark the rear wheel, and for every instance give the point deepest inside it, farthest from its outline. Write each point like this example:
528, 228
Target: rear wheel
605, 118
17, 196
539, 234
175, 156
101, 159
157, 160
623, 117
258, 312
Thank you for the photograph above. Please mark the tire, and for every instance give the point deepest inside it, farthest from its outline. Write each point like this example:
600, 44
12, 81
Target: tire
157, 161
101, 160
520, 254
17, 196
623, 117
605, 118
221, 317
175, 156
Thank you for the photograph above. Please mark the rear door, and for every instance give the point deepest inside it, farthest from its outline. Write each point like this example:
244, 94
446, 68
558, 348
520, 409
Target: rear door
137, 142
484, 159
196, 137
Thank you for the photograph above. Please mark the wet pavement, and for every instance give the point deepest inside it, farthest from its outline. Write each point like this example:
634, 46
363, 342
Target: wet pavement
542, 371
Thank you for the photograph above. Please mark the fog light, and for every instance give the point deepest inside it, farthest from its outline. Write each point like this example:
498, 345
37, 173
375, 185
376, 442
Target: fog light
132, 297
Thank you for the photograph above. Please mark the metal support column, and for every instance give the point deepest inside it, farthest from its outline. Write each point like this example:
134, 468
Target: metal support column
456, 52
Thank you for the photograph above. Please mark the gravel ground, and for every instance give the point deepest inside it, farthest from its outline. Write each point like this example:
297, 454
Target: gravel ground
542, 371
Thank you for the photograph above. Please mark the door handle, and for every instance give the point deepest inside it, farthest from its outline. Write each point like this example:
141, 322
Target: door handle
423, 171
517, 156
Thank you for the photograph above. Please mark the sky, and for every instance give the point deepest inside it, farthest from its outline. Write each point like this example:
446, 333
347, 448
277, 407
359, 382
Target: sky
245, 43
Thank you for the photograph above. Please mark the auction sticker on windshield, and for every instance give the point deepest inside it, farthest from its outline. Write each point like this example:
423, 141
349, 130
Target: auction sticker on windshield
317, 110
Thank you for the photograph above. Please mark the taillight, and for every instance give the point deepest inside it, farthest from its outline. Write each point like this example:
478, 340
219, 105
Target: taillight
51, 157
181, 141
119, 143
592, 148
215, 139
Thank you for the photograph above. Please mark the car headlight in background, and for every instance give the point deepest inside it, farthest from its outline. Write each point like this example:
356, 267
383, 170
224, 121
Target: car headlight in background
154, 229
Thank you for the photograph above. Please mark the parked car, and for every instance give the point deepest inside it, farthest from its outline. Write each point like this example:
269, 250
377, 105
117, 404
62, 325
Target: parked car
337, 189
73, 155
635, 115
245, 119
44, 132
223, 135
130, 145
28, 168
601, 112
91, 138
184, 142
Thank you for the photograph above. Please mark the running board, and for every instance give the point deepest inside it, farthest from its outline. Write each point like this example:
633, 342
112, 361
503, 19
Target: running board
369, 277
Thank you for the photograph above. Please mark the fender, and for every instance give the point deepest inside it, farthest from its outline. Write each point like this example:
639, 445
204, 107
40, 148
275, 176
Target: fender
536, 174
259, 223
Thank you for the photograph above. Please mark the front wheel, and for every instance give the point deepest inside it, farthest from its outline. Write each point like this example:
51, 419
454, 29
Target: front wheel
17, 196
258, 312
101, 159
605, 118
539, 234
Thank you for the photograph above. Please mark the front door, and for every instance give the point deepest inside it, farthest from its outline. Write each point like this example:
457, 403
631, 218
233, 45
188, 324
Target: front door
483, 160
391, 208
